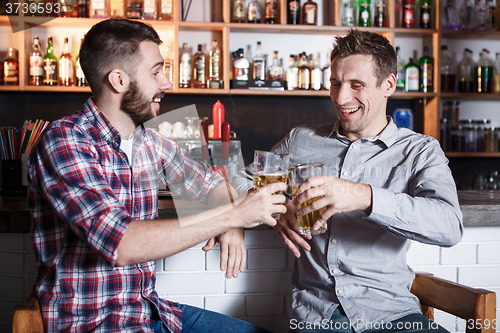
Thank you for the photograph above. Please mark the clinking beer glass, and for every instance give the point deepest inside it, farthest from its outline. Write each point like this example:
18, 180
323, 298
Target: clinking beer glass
269, 167
297, 174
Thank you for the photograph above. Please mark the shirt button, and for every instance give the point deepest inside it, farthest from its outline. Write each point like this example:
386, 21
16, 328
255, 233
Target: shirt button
354, 147
333, 241
335, 271
144, 317
340, 292
344, 173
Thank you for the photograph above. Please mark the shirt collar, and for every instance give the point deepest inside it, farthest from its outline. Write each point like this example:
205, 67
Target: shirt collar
99, 121
387, 136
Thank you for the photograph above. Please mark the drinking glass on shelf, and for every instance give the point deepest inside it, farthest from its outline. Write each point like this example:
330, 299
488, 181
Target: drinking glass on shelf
269, 167
297, 174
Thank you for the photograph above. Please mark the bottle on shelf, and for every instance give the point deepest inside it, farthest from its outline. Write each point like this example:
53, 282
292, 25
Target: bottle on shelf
425, 14
412, 77
465, 72
134, 9
408, 13
380, 18
149, 10
214, 67
467, 21
82, 8
310, 13
168, 67
36, 63
259, 64
292, 74
237, 11
481, 15
426, 64
398, 13
496, 71
400, 83
199, 68
497, 15
97, 9
304, 73
271, 12
293, 11
316, 73
66, 70
241, 66
483, 73
276, 71
11, 68
492, 15
185, 67
450, 17
327, 72
117, 8
50, 65
364, 17
166, 10
448, 71
80, 80
348, 13
254, 13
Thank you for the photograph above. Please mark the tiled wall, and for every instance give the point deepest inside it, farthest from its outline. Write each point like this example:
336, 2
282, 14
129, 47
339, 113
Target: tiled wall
260, 294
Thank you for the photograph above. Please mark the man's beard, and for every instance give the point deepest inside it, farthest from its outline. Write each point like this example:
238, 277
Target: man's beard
136, 105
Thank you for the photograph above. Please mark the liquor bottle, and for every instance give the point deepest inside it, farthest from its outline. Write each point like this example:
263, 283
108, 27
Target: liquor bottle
310, 13
80, 79
466, 14
497, 15
254, 13
426, 64
199, 68
316, 73
97, 9
149, 10
240, 66
348, 13
36, 63
492, 15
11, 68
293, 12
380, 17
304, 73
117, 8
292, 74
238, 11
271, 12
82, 8
400, 83
50, 65
327, 72
165, 10
481, 15
451, 16
134, 9
425, 14
483, 73
66, 69
466, 72
398, 13
259, 64
214, 66
448, 71
496, 71
408, 13
168, 68
364, 19
412, 78
276, 71
185, 67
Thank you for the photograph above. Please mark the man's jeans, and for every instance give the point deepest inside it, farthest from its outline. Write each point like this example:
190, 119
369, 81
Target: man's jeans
200, 320
339, 323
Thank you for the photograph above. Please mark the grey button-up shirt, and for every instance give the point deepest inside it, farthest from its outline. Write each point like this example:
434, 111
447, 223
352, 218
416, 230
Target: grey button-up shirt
360, 262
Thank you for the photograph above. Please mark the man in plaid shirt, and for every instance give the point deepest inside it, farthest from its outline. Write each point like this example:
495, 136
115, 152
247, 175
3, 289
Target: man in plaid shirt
93, 193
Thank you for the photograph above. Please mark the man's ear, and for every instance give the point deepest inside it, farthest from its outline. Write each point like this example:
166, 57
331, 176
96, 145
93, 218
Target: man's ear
389, 85
119, 80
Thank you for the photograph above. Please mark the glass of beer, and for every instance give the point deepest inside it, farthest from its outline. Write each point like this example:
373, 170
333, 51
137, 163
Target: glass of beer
297, 174
269, 167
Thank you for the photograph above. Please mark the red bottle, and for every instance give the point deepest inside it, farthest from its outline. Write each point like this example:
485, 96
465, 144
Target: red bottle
218, 119
409, 13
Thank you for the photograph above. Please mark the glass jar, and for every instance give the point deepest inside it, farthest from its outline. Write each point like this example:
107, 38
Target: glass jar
491, 134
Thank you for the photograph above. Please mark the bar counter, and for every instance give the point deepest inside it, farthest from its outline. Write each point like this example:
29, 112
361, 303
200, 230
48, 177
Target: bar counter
480, 209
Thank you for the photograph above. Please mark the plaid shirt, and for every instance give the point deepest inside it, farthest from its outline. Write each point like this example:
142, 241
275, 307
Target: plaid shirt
83, 195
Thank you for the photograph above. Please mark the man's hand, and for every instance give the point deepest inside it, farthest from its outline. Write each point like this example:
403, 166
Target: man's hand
233, 255
288, 230
337, 195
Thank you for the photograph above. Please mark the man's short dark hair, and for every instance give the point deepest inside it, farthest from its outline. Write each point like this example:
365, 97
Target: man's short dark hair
111, 44
369, 43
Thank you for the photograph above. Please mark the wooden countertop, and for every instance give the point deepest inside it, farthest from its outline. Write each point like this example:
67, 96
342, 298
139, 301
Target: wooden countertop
480, 209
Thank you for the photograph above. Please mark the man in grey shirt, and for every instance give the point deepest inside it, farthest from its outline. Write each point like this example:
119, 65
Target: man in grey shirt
384, 187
